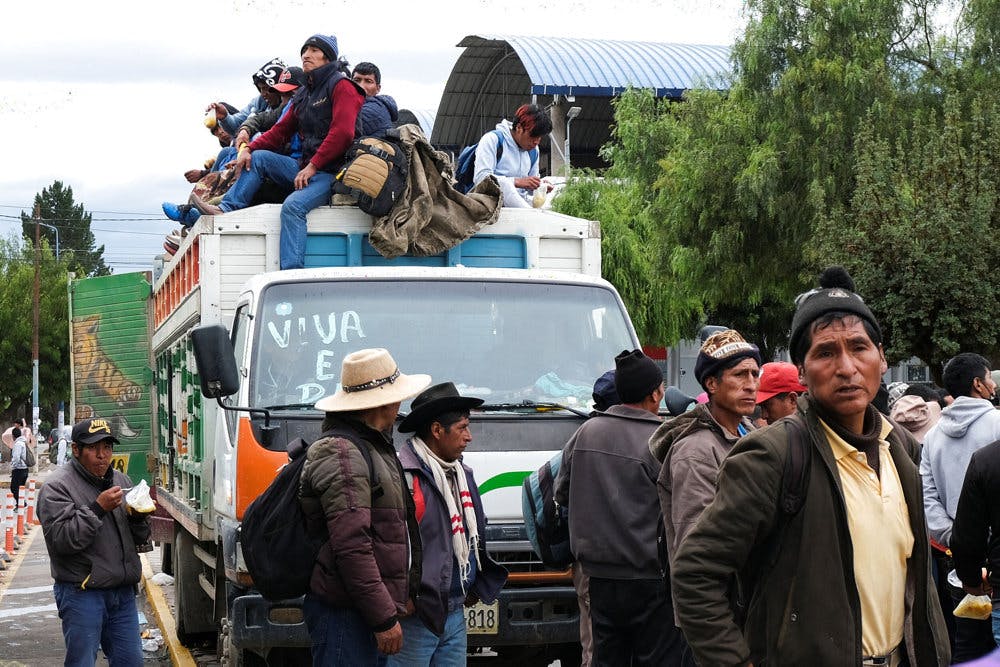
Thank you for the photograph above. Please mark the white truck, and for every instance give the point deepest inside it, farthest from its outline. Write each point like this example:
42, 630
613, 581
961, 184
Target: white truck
517, 315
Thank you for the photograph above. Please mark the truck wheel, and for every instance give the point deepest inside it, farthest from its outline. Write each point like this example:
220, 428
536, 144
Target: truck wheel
167, 558
232, 656
193, 609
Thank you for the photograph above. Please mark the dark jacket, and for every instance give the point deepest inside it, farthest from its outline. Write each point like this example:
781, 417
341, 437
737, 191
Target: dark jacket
371, 561
804, 610
607, 480
378, 114
438, 552
87, 546
691, 448
324, 113
975, 535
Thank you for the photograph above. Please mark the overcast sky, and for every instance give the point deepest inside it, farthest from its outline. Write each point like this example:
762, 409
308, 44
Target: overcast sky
109, 96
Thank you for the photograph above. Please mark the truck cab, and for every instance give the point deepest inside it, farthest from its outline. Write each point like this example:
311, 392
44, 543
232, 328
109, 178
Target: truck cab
515, 316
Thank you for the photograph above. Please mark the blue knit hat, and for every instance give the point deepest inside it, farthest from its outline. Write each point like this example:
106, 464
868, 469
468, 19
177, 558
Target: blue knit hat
325, 43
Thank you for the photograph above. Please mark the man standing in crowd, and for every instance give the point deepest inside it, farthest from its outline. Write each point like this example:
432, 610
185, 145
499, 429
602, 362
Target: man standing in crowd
691, 447
607, 481
324, 115
866, 597
456, 570
369, 566
510, 153
779, 390
92, 540
969, 423
18, 464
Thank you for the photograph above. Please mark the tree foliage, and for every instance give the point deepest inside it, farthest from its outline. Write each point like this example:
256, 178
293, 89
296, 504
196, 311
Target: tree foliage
858, 132
76, 241
17, 273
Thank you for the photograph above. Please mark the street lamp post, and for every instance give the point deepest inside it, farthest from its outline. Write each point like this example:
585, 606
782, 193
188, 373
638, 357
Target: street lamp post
571, 113
56, 230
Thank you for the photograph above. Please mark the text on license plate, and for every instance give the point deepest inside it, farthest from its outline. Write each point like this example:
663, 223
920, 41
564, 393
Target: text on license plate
483, 619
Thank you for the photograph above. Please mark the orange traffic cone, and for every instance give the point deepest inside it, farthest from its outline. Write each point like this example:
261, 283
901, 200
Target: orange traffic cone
31, 505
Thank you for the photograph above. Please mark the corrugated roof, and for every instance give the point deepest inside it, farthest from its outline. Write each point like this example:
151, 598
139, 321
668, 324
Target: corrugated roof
497, 73
422, 117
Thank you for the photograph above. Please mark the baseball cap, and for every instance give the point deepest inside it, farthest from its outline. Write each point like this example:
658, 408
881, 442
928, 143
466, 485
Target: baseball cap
778, 377
92, 431
290, 79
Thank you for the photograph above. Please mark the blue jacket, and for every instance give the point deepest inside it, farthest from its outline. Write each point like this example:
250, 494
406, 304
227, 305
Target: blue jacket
435, 537
378, 114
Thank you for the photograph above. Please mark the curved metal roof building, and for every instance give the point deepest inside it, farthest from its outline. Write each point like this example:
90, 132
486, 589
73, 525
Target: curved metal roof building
497, 73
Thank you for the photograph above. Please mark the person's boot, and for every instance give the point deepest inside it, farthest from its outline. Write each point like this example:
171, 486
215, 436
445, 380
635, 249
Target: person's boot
203, 206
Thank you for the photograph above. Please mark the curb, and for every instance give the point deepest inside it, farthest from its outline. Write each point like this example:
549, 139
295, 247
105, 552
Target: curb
179, 655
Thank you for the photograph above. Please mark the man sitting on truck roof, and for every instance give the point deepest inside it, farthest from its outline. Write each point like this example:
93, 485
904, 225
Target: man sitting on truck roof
510, 152
324, 115
379, 111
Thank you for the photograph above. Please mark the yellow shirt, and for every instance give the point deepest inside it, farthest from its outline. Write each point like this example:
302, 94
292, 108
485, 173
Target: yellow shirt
879, 522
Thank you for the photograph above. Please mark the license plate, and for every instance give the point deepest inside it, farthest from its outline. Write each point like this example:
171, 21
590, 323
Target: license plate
483, 619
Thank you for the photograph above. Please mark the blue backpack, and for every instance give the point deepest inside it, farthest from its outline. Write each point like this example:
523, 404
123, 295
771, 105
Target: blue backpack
545, 521
465, 165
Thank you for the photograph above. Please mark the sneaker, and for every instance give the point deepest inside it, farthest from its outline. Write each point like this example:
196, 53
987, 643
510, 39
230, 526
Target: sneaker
173, 211
175, 238
204, 207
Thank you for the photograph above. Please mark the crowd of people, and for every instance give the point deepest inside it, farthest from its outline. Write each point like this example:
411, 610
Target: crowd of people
287, 144
805, 513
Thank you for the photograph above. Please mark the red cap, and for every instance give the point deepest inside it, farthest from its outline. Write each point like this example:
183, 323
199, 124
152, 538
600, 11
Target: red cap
778, 377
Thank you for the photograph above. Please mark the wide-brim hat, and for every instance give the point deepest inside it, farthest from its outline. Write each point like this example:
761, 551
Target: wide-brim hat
436, 400
370, 379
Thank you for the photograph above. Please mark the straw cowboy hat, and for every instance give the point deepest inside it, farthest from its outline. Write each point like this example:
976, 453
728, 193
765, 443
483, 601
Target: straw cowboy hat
370, 379
438, 399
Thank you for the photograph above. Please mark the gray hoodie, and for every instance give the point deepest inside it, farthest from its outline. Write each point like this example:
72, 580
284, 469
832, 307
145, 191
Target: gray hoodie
965, 426
608, 481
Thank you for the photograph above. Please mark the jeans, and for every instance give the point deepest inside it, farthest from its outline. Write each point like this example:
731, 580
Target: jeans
105, 618
633, 623
339, 636
996, 623
282, 170
973, 639
421, 647
226, 155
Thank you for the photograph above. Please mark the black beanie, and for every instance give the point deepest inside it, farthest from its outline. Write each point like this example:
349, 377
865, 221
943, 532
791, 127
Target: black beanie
835, 295
636, 376
720, 351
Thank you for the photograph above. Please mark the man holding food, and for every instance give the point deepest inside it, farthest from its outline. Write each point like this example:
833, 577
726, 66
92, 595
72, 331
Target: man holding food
93, 533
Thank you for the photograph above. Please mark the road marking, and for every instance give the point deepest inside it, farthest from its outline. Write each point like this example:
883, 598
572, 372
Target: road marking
28, 591
16, 559
22, 611
179, 654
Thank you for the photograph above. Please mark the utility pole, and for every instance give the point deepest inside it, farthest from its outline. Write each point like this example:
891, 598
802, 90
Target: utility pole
34, 330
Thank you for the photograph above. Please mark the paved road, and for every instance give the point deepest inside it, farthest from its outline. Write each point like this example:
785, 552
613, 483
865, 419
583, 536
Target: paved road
30, 629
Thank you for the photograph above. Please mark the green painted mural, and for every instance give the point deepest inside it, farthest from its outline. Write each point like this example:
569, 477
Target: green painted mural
112, 376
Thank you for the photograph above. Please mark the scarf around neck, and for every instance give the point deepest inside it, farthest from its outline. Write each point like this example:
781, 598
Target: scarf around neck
867, 441
450, 479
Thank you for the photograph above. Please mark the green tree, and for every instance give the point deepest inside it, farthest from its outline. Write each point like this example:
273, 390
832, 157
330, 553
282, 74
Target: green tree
744, 177
76, 241
17, 274
917, 235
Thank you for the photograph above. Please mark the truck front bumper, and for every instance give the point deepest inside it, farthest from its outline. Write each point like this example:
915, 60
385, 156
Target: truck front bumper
534, 616
257, 623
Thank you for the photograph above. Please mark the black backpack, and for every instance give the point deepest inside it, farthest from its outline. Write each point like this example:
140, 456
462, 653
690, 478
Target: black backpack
275, 517
375, 171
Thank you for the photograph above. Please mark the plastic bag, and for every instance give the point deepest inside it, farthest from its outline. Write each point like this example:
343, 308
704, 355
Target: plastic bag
139, 500
979, 607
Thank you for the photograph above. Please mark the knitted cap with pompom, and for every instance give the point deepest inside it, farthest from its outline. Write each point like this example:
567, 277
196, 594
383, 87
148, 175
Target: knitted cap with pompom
835, 295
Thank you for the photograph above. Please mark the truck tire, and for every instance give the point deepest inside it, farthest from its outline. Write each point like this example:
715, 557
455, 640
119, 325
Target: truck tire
193, 609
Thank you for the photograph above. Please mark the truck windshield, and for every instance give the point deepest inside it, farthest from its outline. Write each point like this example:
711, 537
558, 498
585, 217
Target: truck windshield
505, 342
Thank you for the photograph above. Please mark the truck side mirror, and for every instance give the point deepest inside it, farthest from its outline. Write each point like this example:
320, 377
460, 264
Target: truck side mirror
677, 401
213, 354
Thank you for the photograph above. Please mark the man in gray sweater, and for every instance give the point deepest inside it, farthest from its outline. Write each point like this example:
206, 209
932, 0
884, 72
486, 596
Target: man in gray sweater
608, 482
